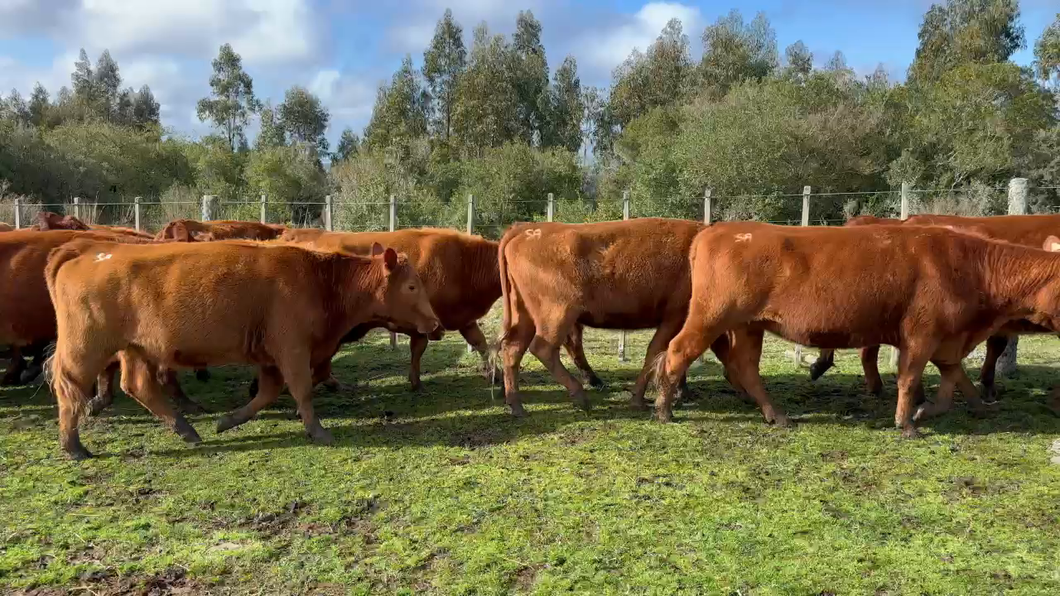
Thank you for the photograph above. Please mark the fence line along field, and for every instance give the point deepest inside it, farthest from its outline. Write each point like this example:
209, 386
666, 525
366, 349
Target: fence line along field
441, 490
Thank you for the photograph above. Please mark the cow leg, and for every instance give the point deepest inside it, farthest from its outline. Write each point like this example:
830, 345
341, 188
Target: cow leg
995, 345
745, 357
34, 370
300, 383
104, 389
202, 375
943, 398
322, 375
176, 393
575, 346
825, 361
270, 382
514, 344
546, 347
140, 380
417, 345
911, 362
870, 363
690, 343
13, 376
663, 334
477, 340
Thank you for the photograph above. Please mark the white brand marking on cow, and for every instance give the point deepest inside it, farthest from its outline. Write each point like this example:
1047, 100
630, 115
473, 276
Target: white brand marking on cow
1055, 247
534, 233
743, 237
103, 256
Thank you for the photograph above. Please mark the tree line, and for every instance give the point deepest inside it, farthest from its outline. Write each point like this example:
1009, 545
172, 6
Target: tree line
494, 121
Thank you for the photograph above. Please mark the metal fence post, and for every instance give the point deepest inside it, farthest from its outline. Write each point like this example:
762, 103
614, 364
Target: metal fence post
393, 226
622, 334
136, 213
707, 215
329, 214
550, 213
18, 213
207, 207
264, 204
905, 200
77, 207
806, 190
1017, 205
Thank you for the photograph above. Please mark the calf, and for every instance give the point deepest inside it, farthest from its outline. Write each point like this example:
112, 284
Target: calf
281, 308
613, 275
932, 292
1027, 230
459, 272
222, 230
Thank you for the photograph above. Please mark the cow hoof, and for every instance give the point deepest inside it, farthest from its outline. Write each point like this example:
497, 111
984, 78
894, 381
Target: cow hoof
96, 407
186, 431
911, 432
988, 393
79, 453
874, 390
416, 387
817, 370
597, 383
638, 404
517, 410
984, 410
924, 411
582, 403
333, 385
782, 421
320, 435
202, 375
664, 415
31, 375
226, 422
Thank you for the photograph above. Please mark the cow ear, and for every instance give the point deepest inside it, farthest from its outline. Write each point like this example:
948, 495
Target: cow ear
377, 249
390, 258
1052, 244
42, 221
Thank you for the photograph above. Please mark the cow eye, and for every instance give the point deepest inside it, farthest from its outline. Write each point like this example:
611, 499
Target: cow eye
412, 288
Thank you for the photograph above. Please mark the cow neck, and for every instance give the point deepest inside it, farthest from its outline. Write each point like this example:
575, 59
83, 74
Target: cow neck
353, 290
484, 272
1023, 279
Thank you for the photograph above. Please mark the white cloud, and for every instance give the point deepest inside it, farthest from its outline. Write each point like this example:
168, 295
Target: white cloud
607, 49
349, 99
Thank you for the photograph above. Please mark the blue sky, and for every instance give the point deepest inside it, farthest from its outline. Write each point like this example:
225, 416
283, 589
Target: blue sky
343, 50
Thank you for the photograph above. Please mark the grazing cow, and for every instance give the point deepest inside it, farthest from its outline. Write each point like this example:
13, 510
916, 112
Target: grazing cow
222, 230
47, 220
932, 292
281, 308
460, 275
5, 227
1027, 230
613, 275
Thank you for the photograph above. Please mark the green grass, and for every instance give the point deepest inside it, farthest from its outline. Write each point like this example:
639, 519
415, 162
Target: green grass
449, 495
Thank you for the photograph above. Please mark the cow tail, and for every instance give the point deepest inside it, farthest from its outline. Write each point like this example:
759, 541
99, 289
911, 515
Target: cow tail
67, 392
506, 302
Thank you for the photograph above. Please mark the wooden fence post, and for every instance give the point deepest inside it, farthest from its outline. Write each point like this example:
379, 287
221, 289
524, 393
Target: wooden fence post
1017, 205
551, 210
329, 214
905, 200
264, 204
393, 226
470, 230
207, 207
622, 334
18, 213
136, 213
707, 209
806, 190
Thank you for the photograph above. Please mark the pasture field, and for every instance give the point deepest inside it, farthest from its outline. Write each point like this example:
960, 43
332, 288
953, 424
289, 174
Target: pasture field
443, 493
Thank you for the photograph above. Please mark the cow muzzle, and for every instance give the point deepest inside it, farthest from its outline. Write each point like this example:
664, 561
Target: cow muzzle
432, 329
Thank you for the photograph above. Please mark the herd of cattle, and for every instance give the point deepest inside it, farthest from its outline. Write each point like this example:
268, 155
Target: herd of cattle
285, 299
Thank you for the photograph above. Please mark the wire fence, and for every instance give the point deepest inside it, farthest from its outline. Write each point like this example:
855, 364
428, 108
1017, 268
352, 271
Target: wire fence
490, 216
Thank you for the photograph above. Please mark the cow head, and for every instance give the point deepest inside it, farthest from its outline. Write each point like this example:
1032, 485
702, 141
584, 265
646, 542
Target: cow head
53, 221
405, 299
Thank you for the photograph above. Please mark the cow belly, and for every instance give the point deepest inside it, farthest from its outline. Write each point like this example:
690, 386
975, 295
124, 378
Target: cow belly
621, 320
835, 339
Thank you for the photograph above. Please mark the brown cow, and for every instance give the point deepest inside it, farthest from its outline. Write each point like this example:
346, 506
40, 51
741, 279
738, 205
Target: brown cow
460, 274
223, 230
1027, 230
613, 275
281, 308
47, 220
932, 292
